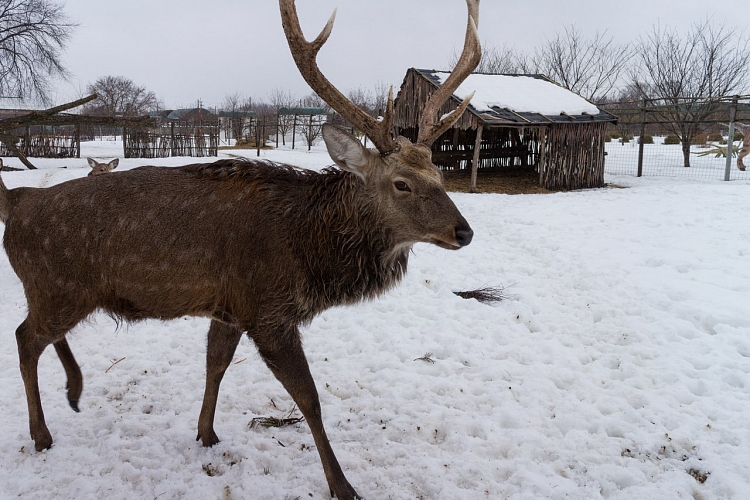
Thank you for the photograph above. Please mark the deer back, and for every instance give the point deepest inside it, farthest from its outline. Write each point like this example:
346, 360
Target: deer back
221, 240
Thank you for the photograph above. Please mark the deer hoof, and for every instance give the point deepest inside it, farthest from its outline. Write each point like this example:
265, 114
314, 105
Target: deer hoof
42, 442
210, 439
346, 493
74, 405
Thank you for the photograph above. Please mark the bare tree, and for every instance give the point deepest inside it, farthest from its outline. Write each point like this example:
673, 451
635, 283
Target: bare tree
313, 100
239, 109
363, 99
372, 101
590, 67
33, 33
380, 97
280, 98
119, 96
500, 60
626, 104
310, 126
684, 71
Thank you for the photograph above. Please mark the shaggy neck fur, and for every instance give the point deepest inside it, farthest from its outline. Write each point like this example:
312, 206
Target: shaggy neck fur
336, 231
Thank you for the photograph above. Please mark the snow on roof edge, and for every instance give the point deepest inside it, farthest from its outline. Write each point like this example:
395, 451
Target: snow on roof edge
520, 93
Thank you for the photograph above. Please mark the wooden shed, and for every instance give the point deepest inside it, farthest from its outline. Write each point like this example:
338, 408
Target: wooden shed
520, 121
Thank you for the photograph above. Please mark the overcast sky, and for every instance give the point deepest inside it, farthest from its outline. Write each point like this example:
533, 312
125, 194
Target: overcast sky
185, 50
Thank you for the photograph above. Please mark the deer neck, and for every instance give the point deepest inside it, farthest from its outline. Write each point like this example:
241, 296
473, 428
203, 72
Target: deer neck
351, 255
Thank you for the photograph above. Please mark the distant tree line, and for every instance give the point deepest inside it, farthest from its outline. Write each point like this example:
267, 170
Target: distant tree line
679, 69
708, 60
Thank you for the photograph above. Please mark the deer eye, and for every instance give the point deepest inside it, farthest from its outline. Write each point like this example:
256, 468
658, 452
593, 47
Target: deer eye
402, 186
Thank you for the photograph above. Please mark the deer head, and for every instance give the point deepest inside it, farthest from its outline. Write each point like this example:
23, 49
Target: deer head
401, 172
102, 168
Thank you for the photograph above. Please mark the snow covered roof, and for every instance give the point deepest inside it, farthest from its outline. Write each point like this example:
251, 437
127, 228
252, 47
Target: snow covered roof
521, 99
186, 113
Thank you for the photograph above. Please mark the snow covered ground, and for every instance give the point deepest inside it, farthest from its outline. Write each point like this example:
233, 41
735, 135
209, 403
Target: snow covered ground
617, 368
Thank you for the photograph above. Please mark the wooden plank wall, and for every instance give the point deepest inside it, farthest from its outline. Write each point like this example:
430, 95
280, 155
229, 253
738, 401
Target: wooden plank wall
574, 157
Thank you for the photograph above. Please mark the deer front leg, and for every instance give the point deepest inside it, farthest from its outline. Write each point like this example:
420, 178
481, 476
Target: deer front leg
286, 359
74, 384
222, 342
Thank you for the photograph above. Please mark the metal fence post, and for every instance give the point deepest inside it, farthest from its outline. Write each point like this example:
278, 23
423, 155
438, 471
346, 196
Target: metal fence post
730, 138
641, 141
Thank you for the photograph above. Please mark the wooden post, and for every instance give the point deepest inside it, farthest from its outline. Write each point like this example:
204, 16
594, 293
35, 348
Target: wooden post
640, 139
171, 132
309, 133
294, 129
542, 155
730, 138
475, 160
78, 139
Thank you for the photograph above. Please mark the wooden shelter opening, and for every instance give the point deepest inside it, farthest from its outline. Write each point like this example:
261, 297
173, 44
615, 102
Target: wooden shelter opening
513, 121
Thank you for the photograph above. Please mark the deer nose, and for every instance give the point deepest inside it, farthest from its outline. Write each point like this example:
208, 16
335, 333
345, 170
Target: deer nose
464, 236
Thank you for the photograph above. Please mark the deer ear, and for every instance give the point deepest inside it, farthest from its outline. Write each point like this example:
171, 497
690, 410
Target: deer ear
92, 162
113, 164
346, 150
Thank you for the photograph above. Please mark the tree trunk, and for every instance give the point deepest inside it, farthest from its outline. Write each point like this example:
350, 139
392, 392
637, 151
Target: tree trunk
686, 151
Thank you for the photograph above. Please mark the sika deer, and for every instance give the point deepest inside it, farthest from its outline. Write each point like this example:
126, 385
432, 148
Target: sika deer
102, 168
259, 248
745, 150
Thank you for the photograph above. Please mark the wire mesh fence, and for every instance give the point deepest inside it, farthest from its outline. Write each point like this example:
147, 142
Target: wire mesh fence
679, 138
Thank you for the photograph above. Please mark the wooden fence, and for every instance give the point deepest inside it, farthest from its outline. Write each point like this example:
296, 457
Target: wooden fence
47, 142
176, 138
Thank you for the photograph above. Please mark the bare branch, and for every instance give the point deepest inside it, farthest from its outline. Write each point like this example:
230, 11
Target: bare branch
33, 34
589, 67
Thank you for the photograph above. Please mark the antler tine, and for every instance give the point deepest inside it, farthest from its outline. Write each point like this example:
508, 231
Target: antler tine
430, 128
305, 53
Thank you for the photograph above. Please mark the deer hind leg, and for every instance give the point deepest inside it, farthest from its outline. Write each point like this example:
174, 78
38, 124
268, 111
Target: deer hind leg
287, 361
743, 153
30, 347
74, 384
222, 342
33, 335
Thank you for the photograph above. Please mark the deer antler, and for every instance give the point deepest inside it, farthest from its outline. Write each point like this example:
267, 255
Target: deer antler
430, 128
304, 54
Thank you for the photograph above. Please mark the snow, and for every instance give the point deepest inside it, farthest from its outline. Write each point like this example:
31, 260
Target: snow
618, 364
522, 94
